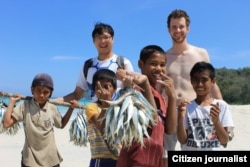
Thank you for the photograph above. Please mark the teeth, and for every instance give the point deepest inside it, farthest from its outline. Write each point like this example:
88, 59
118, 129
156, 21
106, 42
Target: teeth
157, 75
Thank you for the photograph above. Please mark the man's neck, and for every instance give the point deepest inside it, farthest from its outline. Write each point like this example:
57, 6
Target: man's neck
103, 57
180, 48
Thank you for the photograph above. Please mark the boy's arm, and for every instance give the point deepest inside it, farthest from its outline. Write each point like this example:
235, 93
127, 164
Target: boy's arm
8, 119
68, 114
181, 131
171, 117
221, 132
143, 82
95, 118
99, 124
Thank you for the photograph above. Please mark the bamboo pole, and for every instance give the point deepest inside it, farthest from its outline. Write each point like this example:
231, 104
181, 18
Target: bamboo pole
66, 104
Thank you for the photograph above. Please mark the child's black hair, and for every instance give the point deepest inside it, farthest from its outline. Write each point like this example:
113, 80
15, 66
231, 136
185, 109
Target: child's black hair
148, 50
203, 66
104, 74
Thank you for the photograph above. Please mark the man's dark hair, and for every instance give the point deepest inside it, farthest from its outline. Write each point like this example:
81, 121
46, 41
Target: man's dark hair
178, 13
102, 27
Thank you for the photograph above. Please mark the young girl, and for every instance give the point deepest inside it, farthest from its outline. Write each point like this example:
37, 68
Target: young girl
38, 117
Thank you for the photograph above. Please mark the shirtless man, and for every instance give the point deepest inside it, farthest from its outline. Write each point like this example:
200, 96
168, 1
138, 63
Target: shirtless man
180, 59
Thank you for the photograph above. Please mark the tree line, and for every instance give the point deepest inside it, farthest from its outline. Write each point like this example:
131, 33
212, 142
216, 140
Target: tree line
234, 85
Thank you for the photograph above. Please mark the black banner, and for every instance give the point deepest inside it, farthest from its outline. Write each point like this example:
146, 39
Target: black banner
209, 158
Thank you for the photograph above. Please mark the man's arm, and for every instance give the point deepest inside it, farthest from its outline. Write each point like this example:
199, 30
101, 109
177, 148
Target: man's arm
75, 95
215, 92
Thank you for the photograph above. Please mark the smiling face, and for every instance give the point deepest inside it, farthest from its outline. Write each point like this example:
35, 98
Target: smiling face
178, 29
202, 82
103, 43
153, 67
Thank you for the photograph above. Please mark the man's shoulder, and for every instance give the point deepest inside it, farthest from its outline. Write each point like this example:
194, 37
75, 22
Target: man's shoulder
198, 49
124, 61
116, 56
92, 59
200, 53
169, 51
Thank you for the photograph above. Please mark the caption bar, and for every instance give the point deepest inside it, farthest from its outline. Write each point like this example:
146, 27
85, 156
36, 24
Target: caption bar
207, 158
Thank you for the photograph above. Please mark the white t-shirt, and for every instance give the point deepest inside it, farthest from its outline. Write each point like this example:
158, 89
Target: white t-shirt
110, 64
201, 134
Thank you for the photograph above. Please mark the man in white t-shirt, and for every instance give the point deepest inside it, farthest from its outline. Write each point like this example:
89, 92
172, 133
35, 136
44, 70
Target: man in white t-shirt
103, 38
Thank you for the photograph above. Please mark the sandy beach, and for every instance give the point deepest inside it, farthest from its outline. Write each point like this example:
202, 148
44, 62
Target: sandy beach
75, 156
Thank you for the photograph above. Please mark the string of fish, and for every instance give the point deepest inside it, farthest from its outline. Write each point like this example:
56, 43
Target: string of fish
128, 118
11, 130
78, 129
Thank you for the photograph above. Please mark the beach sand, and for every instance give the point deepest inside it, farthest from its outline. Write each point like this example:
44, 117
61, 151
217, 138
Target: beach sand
75, 156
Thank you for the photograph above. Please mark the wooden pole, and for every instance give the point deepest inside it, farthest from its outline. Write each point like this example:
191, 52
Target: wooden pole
66, 104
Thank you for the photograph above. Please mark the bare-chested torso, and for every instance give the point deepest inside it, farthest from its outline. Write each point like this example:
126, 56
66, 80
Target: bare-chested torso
179, 66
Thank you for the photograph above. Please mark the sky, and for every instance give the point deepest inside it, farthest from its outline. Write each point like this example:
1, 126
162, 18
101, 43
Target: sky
54, 36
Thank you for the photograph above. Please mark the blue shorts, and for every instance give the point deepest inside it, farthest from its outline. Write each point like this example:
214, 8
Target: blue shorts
102, 162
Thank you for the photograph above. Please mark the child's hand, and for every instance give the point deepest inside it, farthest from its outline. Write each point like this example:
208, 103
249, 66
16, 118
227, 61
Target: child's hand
215, 112
125, 77
121, 74
182, 108
168, 84
130, 78
103, 92
15, 98
74, 104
